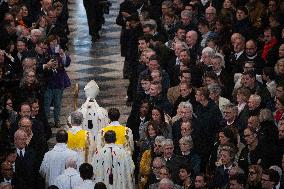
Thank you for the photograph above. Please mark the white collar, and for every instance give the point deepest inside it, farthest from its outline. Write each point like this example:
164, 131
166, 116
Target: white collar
59, 147
230, 123
229, 168
238, 54
23, 151
252, 57
88, 181
177, 61
75, 129
7, 181
114, 123
70, 171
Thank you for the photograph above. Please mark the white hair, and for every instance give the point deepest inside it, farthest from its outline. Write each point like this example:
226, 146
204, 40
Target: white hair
71, 162
167, 142
34, 31
185, 105
209, 51
166, 181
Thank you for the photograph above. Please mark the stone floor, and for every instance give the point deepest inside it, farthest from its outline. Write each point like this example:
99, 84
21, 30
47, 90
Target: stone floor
100, 61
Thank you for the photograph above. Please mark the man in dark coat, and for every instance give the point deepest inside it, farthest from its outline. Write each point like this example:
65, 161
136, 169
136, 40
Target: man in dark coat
210, 116
257, 152
25, 165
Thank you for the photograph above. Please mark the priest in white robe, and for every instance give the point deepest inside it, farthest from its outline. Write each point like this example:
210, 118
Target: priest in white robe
79, 139
70, 176
113, 165
124, 136
95, 117
86, 173
53, 163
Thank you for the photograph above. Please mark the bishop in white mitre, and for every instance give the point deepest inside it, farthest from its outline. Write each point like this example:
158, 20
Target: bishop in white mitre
53, 163
113, 165
95, 117
70, 176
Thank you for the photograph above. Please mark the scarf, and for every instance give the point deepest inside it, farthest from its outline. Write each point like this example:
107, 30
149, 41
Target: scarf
267, 47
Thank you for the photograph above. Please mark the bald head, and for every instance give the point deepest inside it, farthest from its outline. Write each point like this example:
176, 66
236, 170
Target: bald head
25, 124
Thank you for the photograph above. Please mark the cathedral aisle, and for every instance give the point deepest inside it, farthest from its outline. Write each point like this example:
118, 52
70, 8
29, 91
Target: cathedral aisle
100, 61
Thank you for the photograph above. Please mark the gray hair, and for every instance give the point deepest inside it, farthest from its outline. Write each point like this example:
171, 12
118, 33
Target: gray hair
232, 106
265, 115
184, 46
214, 88
167, 3
159, 139
151, 22
185, 13
34, 31
162, 160
167, 182
256, 98
76, 118
186, 105
71, 162
220, 57
167, 142
209, 51
187, 140
277, 169
19, 132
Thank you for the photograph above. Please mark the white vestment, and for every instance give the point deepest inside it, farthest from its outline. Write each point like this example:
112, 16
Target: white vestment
95, 117
68, 179
53, 163
86, 184
116, 160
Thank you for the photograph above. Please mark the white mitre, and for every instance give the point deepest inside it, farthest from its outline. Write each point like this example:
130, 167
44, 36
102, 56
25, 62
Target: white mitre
91, 90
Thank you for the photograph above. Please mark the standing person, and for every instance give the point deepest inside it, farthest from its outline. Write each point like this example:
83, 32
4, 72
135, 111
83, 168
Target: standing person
95, 117
25, 165
95, 18
113, 165
53, 163
70, 176
124, 136
86, 173
79, 139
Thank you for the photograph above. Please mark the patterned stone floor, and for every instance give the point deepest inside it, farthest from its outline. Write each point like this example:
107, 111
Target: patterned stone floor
100, 61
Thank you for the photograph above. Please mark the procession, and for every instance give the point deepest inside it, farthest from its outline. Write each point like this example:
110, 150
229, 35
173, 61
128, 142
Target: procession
141, 94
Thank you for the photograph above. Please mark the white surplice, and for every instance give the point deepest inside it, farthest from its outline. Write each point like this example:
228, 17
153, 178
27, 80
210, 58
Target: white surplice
68, 179
115, 159
53, 163
95, 117
86, 184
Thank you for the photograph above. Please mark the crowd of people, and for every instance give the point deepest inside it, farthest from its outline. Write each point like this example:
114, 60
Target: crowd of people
206, 90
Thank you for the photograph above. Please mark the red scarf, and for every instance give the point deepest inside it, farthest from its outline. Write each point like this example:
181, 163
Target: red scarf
267, 47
